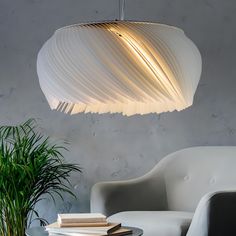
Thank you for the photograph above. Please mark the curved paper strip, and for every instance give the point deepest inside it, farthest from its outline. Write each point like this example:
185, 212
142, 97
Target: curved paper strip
125, 67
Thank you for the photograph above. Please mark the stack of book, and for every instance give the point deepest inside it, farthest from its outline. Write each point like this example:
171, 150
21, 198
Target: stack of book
91, 224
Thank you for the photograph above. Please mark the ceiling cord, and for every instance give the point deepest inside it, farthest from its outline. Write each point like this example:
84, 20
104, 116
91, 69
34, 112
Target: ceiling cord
121, 9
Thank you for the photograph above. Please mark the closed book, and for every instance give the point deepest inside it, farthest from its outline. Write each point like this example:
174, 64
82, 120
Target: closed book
95, 224
81, 218
119, 232
104, 230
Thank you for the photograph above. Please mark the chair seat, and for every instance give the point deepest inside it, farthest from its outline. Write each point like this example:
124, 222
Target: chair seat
156, 223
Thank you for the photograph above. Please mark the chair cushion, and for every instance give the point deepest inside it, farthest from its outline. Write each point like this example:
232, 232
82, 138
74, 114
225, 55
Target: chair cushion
156, 223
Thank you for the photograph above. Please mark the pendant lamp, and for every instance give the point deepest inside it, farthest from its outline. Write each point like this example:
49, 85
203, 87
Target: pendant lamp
119, 67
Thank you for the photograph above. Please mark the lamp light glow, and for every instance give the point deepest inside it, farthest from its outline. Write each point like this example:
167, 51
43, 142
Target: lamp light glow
119, 67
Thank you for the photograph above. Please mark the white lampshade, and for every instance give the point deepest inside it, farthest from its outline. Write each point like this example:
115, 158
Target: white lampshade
125, 67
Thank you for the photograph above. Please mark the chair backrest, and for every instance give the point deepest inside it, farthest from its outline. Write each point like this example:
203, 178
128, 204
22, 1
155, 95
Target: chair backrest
191, 173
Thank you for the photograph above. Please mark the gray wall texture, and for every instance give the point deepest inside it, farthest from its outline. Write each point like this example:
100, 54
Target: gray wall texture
113, 147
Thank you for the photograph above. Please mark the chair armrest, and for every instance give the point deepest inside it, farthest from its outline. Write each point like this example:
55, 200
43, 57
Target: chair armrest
215, 215
144, 193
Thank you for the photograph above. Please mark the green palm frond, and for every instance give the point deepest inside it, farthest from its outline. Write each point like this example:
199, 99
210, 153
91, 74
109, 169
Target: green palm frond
30, 166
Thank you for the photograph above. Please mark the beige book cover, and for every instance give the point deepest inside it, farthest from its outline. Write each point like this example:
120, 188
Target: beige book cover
81, 218
95, 224
119, 232
55, 227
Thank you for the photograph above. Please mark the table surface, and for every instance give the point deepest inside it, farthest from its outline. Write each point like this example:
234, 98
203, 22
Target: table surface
40, 231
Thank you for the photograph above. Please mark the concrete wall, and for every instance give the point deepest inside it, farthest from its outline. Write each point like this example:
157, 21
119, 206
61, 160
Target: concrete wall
112, 147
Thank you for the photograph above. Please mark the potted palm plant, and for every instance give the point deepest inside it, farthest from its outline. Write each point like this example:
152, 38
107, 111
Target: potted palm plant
30, 167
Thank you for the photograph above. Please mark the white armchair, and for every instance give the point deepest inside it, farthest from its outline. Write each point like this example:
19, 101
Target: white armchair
163, 201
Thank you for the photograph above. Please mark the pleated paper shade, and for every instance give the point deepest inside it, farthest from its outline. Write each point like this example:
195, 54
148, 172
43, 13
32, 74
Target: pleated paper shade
125, 67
